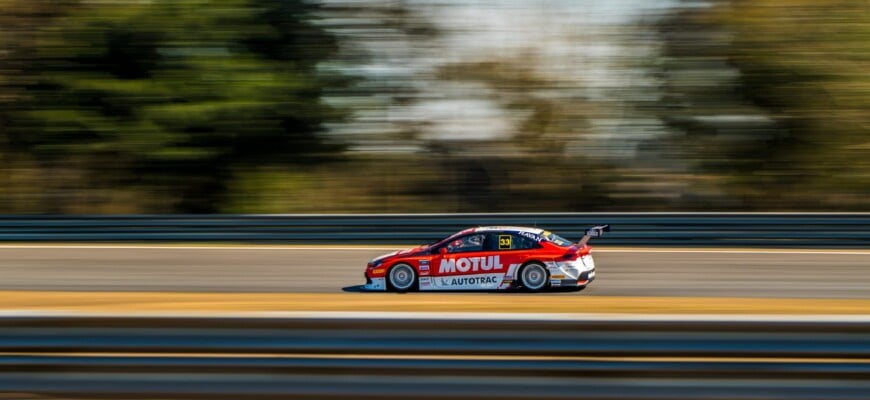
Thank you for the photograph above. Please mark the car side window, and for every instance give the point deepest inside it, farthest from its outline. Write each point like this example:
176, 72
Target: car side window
523, 243
508, 241
473, 242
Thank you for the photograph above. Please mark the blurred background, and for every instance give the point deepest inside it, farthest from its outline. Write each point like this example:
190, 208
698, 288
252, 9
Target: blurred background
291, 106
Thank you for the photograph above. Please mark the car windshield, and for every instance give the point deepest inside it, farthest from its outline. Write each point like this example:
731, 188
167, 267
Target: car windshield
430, 244
556, 239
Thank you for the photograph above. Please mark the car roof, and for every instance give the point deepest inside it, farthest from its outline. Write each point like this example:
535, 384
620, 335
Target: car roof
536, 231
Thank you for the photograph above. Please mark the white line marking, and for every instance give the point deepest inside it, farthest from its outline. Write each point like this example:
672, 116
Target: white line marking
462, 316
400, 247
732, 251
367, 356
230, 247
558, 214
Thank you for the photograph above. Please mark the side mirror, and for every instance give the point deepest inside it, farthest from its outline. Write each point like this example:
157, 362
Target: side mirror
443, 250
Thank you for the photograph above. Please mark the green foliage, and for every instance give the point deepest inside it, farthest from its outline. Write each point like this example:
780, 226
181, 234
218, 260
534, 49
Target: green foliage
807, 62
772, 98
171, 96
159, 106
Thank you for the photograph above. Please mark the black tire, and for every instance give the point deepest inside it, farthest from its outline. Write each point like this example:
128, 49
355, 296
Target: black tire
534, 277
401, 278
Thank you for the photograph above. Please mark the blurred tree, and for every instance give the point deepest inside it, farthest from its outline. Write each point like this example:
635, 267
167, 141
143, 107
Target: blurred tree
531, 164
548, 122
172, 96
808, 63
23, 185
773, 98
389, 45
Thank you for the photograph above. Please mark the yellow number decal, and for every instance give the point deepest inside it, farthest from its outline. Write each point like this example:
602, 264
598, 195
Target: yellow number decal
504, 241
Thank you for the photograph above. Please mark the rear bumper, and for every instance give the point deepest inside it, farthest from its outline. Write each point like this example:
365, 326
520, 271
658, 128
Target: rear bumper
577, 273
585, 278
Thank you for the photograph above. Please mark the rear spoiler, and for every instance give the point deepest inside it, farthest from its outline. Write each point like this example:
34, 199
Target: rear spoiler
595, 231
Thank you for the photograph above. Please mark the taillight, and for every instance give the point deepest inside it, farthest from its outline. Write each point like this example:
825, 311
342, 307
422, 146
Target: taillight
575, 253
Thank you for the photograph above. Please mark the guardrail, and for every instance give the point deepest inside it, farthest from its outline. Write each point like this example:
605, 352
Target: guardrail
646, 229
438, 358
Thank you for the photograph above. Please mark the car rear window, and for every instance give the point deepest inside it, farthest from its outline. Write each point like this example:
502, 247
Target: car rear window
556, 239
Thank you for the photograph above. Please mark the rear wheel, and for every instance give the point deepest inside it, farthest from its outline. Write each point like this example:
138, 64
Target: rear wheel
533, 277
402, 277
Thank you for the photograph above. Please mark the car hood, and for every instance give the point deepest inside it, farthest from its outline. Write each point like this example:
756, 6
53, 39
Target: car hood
398, 253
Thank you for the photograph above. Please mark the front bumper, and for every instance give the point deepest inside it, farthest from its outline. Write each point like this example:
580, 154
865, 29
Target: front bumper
375, 284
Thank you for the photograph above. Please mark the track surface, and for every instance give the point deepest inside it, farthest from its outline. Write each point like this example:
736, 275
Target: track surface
621, 272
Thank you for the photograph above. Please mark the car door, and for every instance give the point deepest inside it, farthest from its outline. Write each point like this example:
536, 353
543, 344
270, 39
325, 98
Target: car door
469, 263
514, 250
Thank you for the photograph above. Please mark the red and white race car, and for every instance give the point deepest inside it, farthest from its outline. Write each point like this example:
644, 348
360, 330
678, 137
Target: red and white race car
488, 258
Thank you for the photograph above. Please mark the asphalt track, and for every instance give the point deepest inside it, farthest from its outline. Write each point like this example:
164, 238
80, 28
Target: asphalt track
621, 272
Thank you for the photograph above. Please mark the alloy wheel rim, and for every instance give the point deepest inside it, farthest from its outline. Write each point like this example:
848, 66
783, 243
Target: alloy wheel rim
533, 277
401, 277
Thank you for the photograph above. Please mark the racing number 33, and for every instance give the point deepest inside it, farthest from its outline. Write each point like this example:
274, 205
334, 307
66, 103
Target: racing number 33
504, 241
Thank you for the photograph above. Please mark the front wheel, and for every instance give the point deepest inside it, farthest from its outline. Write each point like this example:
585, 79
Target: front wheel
533, 277
402, 277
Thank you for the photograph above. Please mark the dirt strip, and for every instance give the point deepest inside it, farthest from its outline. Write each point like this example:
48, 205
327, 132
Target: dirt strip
140, 302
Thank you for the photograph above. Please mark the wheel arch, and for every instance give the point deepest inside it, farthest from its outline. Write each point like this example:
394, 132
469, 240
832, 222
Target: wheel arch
527, 262
388, 286
519, 275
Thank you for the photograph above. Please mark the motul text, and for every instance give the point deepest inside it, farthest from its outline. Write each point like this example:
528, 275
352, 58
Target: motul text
474, 264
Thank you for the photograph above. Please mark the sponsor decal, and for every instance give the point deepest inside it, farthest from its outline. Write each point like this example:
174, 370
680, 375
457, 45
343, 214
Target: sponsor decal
425, 281
424, 267
470, 264
479, 281
469, 280
557, 276
530, 235
504, 242
555, 283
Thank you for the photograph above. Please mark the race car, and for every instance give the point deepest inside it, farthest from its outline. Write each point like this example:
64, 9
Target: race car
488, 258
